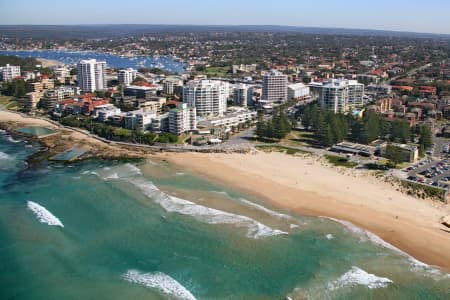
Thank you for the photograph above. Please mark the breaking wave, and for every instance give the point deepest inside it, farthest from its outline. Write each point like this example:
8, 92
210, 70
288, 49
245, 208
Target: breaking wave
5, 156
202, 213
266, 210
329, 237
132, 175
367, 235
357, 276
43, 215
159, 281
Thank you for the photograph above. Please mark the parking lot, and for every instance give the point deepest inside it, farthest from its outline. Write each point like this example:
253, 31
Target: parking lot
432, 172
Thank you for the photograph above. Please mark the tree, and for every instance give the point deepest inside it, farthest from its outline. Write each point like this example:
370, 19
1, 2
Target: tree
426, 137
394, 154
260, 128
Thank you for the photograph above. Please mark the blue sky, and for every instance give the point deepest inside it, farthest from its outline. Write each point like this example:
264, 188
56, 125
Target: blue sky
402, 15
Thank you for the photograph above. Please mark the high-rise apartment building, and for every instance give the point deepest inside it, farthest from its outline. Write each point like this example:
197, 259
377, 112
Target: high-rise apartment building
8, 73
207, 96
242, 95
275, 87
341, 95
127, 76
91, 75
182, 119
173, 85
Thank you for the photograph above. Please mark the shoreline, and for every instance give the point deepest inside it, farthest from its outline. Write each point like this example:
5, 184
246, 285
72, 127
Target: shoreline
64, 139
409, 224
295, 184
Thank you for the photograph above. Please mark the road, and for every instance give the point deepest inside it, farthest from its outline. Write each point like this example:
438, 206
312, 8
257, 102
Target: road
413, 71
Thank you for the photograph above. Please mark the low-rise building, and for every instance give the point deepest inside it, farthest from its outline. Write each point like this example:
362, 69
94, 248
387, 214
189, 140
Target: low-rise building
409, 153
152, 103
103, 112
298, 90
140, 92
139, 120
232, 118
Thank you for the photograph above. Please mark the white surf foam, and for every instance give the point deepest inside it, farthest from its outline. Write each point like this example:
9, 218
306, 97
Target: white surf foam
202, 213
10, 139
266, 210
43, 215
329, 237
179, 174
357, 276
159, 281
5, 156
2, 131
367, 235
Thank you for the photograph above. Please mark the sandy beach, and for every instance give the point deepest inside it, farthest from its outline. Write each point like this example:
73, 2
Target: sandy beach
305, 185
47, 63
308, 186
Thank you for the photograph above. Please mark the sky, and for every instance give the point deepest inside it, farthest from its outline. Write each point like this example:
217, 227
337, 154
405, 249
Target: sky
400, 15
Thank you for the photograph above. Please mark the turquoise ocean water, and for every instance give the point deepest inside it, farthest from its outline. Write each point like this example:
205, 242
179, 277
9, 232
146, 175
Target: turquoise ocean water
111, 230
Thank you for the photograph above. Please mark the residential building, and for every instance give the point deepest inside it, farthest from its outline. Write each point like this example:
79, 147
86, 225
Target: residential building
182, 119
103, 112
61, 73
139, 120
173, 85
275, 87
160, 123
91, 75
242, 95
207, 96
8, 72
140, 92
30, 100
127, 76
233, 118
341, 95
244, 68
297, 90
154, 103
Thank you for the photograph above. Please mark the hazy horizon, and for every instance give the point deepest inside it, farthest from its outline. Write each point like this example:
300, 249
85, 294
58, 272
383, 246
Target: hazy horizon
402, 16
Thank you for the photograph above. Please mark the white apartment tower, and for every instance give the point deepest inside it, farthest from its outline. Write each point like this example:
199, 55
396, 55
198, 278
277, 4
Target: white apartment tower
207, 96
127, 76
9, 73
182, 119
275, 87
341, 95
91, 75
242, 95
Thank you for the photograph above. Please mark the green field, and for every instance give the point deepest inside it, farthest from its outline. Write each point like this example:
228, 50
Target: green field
280, 148
340, 161
217, 71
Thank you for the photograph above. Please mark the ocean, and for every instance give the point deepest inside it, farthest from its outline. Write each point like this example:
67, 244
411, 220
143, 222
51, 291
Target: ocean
113, 61
115, 230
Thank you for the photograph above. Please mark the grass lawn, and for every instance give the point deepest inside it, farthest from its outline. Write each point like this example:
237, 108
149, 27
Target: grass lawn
4, 100
340, 161
279, 148
217, 71
299, 138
